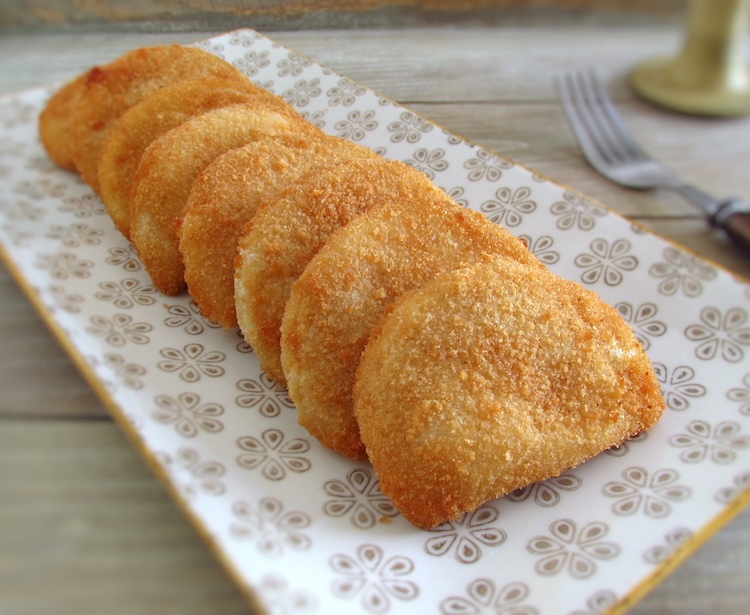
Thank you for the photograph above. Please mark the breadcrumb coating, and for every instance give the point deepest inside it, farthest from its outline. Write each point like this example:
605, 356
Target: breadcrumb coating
112, 88
344, 290
171, 164
150, 118
224, 199
493, 377
286, 234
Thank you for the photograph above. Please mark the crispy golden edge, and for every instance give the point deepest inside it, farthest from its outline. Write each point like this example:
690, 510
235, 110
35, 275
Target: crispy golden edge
225, 198
493, 377
56, 122
170, 165
150, 118
112, 88
285, 235
343, 291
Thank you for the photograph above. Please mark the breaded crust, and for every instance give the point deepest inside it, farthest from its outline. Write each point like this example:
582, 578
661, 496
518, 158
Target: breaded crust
56, 122
112, 88
493, 377
225, 197
150, 118
342, 294
286, 234
172, 162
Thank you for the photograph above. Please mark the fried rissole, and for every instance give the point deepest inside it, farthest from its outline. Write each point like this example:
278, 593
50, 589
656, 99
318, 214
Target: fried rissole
56, 122
171, 164
342, 293
112, 88
225, 197
285, 235
493, 377
150, 118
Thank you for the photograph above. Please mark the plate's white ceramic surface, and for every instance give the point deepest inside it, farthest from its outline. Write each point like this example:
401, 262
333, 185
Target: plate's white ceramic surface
309, 531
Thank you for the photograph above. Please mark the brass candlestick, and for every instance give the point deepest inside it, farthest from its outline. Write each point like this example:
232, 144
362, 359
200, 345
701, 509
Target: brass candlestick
709, 76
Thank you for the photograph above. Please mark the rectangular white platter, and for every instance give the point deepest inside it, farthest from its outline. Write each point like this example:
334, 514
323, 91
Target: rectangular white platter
303, 530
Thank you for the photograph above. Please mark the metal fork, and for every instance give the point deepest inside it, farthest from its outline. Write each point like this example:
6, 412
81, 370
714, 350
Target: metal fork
611, 149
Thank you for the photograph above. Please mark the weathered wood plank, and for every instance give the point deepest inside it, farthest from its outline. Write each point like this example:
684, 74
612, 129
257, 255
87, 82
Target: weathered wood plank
134, 15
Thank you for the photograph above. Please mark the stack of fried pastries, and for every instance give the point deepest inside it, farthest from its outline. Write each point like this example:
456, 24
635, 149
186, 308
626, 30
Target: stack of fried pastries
409, 330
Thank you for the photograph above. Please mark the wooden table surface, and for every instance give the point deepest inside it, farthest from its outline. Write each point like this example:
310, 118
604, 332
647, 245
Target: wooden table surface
85, 527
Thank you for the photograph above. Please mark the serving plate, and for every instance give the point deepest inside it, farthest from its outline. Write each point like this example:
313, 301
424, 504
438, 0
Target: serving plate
303, 530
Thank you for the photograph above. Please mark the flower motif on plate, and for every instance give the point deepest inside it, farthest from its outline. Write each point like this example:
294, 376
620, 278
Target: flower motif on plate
270, 528
18, 211
120, 329
409, 127
483, 596
372, 577
652, 494
546, 493
293, 65
567, 548
64, 265
67, 302
576, 211
677, 386
302, 92
75, 235
359, 498
280, 599
641, 320
428, 162
720, 444
465, 536
188, 318
681, 271
719, 334
252, 61
726, 495
345, 93
84, 206
125, 258
192, 474
486, 165
41, 189
674, 539
192, 362
606, 261
601, 602
622, 449
273, 455
127, 293
356, 125
509, 206
263, 394
541, 247
188, 415
128, 374
742, 395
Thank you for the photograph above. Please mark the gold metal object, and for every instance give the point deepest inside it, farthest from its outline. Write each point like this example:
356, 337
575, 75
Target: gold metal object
710, 75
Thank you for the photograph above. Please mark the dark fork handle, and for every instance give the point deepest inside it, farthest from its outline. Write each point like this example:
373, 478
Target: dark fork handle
733, 216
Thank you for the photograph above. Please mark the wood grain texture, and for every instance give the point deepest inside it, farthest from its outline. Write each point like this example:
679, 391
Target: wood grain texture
135, 15
81, 515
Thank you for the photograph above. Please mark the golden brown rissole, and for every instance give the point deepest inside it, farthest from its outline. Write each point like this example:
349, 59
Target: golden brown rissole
493, 377
171, 164
342, 293
285, 235
224, 199
112, 88
56, 122
141, 124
